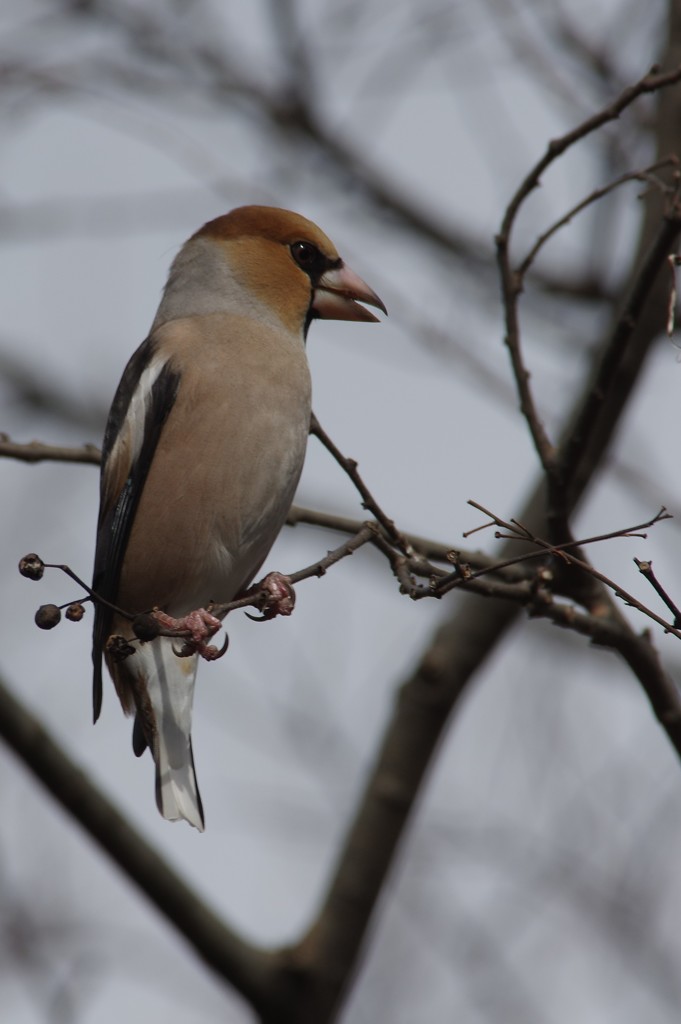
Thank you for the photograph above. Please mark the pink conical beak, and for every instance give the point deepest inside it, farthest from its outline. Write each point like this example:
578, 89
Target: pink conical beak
338, 294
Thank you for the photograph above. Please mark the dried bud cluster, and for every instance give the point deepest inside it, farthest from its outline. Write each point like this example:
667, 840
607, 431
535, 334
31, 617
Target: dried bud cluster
118, 648
48, 616
32, 566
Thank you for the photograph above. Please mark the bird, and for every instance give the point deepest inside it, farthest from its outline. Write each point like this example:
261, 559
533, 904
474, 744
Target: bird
203, 449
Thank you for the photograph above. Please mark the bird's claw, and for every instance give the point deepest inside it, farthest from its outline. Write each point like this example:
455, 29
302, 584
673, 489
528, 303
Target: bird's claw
209, 652
275, 595
201, 625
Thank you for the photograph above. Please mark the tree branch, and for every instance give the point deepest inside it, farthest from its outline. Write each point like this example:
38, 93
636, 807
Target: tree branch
36, 451
425, 702
248, 968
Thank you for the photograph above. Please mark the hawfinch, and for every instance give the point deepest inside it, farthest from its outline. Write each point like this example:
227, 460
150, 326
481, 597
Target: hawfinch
202, 453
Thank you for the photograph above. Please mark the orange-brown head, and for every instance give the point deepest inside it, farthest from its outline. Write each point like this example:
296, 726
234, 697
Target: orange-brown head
289, 265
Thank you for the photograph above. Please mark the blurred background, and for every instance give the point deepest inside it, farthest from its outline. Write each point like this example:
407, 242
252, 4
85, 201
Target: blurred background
539, 881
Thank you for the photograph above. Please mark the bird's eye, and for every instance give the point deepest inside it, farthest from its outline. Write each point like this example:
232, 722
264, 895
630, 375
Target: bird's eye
306, 255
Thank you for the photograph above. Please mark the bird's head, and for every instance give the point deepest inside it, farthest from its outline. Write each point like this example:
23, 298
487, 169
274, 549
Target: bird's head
290, 265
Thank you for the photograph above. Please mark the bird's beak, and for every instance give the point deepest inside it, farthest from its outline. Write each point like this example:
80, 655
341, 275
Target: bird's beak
338, 294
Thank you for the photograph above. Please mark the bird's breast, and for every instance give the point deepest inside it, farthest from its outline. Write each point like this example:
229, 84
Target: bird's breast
227, 464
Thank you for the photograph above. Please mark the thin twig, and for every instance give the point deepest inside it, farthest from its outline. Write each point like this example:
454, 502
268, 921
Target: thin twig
255, 596
512, 280
406, 567
644, 175
349, 466
35, 451
425, 546
630, 531
465, 578
646, 569
519, 532
607, 379
652, 82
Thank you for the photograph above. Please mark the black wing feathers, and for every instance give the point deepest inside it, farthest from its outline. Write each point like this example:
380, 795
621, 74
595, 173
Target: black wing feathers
115, 522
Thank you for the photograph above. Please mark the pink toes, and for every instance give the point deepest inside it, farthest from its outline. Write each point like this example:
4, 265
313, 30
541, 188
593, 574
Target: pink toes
202, 626
277, 596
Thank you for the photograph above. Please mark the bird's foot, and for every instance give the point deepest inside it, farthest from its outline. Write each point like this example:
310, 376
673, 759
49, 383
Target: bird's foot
201, 625
276, 596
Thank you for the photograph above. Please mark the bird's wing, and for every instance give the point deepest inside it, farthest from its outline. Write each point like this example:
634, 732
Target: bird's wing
143, 401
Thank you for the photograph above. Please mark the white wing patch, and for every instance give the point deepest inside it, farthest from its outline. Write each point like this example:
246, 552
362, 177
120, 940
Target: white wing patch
131, 435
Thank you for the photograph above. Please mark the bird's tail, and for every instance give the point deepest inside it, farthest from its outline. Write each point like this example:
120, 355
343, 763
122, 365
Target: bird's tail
177, 792
167, 731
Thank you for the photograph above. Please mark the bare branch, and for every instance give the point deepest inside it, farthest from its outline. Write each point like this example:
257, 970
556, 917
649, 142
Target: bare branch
645, 175
654, 81
616, 370
368, 501
512, 279
646, 569
249, 969
36, 451
518, 532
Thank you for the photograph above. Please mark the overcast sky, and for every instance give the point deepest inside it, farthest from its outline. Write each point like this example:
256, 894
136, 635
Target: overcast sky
99, 188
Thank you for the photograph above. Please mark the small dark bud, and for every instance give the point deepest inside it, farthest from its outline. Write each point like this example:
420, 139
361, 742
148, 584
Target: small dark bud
146, 627
75, 612
32, 566
118, 648
48, 616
